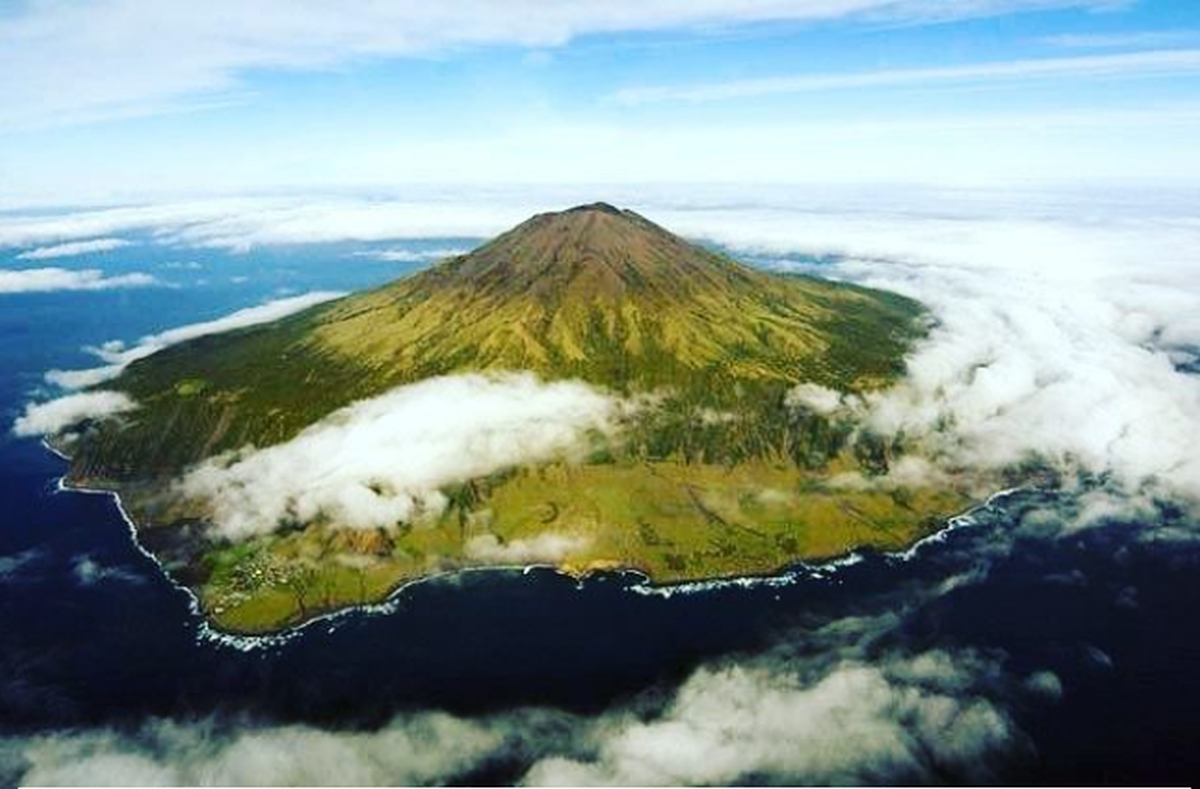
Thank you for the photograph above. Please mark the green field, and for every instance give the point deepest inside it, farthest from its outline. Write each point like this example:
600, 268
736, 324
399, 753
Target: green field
675, 522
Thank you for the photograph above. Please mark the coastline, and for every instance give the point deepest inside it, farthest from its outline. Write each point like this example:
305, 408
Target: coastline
790, 574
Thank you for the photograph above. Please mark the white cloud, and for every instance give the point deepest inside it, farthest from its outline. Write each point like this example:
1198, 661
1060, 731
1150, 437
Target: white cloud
383, 460
120, 58
22, 230
43, 280
82, 379
1062, 319
242, 224
89, 572
57, 415
1169, 62
420, 749
250, 316
545, 548
74, 248
402, 255
910, 471
816, 398
118, 357
1123, 40
857, 723
15, 567
1020, 369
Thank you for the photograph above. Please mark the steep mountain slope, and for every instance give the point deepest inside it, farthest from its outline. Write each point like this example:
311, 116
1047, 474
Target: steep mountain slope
720, 474
592, 293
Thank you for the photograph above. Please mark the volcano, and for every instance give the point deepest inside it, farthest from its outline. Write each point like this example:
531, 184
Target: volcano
721, 475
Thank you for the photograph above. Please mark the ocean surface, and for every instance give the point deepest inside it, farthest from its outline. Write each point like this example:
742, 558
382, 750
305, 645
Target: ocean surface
92, 635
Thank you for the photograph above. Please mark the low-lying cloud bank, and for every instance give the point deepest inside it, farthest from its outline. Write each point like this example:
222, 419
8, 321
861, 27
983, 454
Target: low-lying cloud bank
118, 356
1067, 325
546, 548
897, 719
44, 280
383, 460
841, 716
46, 419
1081, 375
417, 750
854, 697
241, 224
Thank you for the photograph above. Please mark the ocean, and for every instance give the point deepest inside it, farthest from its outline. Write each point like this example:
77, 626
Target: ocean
92, 635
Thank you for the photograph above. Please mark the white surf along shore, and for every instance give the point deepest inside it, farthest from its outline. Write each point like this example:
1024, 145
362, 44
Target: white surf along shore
790, 575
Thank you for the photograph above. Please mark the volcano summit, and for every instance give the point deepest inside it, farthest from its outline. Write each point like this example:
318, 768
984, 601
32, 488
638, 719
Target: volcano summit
587, 391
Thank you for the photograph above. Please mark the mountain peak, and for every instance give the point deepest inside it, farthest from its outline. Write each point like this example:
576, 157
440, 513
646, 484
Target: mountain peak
598, 207
589, 252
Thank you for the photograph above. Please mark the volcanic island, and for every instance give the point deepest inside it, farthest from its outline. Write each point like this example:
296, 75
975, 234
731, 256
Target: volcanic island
731, 458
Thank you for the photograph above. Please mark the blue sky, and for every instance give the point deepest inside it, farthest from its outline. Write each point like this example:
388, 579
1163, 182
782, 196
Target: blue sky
115, 98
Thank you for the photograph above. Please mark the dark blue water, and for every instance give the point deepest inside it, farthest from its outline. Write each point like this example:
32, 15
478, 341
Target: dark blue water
91, 634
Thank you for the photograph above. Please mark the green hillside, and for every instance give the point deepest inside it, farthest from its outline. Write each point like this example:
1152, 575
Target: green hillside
592, 293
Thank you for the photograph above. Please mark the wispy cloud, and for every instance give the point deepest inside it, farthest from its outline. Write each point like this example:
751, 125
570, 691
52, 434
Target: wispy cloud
118, 356
71, 63
412, 255
1139, 39
1171, 62
89, 572
40, 280
74, 248
15, 567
